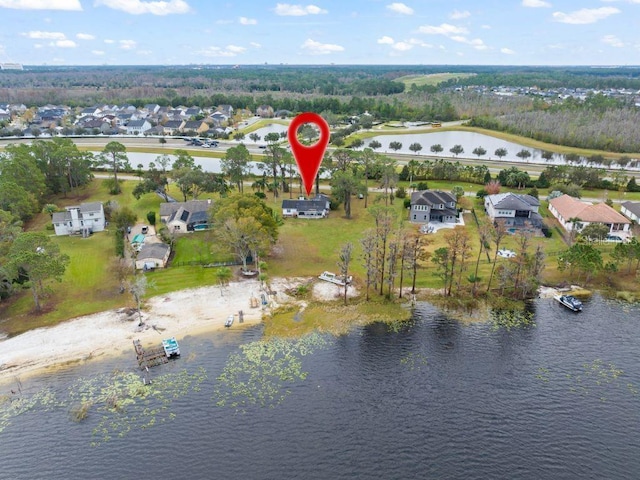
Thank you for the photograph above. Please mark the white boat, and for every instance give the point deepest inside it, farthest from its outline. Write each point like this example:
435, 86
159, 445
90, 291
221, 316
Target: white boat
333, 278
229, 321
171, 348
569, 301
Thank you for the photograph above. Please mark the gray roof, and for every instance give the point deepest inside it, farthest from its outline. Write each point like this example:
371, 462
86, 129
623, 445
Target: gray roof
318, 203
170, 208
513, 201
633, 207
136, 123
153, 251
432, 197
90, 207
61, 217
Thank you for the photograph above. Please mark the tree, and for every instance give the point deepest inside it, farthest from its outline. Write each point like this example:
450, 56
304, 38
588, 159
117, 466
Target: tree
498, 231
138, 289
368, 244
235, 165
441, 259
500, 152
374, 144
114, 155
151, 217
36, 257
457, 150
583, 257
344, 184
595, 232
458, 191
384, 218
356, 143
254, 137
479, 152
162, 141
366, 161
344, 261
15, 199
273, 155
415, 147
395, 146
437, 149
223, 275
484, 235
245, 237
524, 154
547, 155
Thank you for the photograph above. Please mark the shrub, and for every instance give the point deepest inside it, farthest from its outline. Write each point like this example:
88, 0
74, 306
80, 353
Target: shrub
423, 186
401, 192
407, 203
151, 218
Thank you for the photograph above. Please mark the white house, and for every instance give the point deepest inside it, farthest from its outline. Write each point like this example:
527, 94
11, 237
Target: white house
317, 207
137, 127
631, 210
572, 213
514, 210
84, 219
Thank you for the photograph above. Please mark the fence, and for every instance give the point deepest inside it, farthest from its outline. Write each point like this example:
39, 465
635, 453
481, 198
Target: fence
205, 264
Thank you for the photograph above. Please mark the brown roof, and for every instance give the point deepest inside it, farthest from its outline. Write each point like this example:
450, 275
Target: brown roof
568, 207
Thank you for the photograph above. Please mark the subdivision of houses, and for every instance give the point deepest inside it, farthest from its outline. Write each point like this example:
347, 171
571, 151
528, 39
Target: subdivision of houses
433, 206
317, 207
183, 217
575, 214
631, 210
84, 219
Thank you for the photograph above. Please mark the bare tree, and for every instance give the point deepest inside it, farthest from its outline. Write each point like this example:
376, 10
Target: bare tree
498, 233
368, 243
138, 288
344, 261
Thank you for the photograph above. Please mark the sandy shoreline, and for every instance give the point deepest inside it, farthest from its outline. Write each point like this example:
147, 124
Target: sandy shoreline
177, 314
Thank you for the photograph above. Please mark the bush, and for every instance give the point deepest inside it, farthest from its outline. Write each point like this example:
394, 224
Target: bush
407, 203
423, 186
119, 243
401, 192
151, 218
260, 195
481, 193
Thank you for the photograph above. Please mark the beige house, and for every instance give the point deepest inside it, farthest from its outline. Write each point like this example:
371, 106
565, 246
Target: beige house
152, 256
573, 213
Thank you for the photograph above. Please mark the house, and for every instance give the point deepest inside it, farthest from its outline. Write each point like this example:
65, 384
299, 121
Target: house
631, 210
152, 256
85, 219
433, 206
514, 210
171, 127
317, 207
137, 127
264, 111
193, 112
218, 119
185, 217
197, 126
574, 214
226, 110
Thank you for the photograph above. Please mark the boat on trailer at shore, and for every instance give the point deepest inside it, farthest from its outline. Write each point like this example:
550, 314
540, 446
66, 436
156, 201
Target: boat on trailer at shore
337, 279
569, 301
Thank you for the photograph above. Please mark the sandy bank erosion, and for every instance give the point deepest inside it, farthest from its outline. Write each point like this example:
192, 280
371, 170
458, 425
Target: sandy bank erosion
112, 332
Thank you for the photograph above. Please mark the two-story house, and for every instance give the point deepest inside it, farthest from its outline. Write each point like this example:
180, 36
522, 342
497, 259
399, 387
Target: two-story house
433, 206
514, 210
84, 219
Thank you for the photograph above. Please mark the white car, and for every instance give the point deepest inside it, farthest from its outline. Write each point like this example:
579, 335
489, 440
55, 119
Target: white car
504, 253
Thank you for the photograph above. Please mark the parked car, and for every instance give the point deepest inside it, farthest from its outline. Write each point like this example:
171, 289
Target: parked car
614, 238
504, 253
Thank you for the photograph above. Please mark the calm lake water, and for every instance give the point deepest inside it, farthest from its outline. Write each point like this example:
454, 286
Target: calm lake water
432, 399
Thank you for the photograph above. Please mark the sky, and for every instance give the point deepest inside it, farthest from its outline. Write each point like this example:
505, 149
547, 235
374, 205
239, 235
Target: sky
415, 32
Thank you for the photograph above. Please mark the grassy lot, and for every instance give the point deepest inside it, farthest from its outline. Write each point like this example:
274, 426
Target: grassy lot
431, 79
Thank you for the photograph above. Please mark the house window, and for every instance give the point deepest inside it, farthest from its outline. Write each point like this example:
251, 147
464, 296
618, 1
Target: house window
176, 227
415, 217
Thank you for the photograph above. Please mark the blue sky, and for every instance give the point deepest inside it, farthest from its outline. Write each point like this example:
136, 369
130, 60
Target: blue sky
491, 32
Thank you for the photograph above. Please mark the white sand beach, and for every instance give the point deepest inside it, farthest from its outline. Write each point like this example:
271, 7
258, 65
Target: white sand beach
177, 314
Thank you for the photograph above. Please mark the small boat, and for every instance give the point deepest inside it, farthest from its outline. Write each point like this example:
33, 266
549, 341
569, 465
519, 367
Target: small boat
229, 321
171, 348
333, 278
571, 302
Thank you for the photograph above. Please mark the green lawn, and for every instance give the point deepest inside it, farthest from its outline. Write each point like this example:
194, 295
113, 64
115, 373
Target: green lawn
431, 79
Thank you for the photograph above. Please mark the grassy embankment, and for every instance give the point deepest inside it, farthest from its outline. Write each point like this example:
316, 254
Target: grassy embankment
433, 79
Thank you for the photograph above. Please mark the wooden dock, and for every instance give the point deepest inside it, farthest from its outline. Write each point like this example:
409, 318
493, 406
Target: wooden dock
149, 357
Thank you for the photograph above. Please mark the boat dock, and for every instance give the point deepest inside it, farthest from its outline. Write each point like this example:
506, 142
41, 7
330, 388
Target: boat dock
149, 357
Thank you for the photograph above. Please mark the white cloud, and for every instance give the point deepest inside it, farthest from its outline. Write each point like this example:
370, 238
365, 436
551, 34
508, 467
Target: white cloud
144, 52
45, 35
507, 51
138, 7
456, 15
228, 51
477, 43
2, 50
385, 40
41, 4
64, 44
585, 15
97, 52
401, 8
255, 44
535, 3
127, 44
402, 46
109, 41
612, 41
288, 10
223, 22
444, 29
486, 27
247, 21
85, 36
317, 48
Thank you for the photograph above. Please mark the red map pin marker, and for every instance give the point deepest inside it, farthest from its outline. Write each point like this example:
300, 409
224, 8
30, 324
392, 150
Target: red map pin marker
308, 158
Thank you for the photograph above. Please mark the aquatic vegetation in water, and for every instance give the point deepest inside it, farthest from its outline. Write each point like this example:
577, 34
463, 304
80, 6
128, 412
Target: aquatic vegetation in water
595, 378
260, 371
414, 361
508, 319
12, 406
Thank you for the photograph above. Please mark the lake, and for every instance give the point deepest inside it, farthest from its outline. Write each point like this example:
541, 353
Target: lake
431, 398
